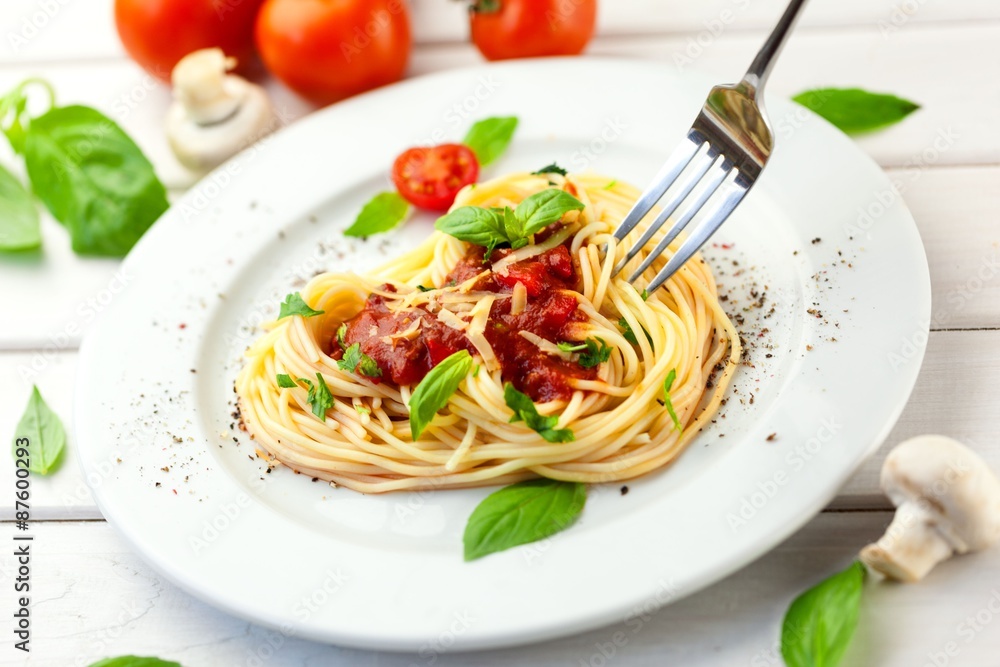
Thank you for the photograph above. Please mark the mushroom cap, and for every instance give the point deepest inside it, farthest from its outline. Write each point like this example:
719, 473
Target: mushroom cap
957, 491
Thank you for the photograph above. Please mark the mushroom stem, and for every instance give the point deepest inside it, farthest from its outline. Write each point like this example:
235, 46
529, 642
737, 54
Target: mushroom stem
910, 548
947, 500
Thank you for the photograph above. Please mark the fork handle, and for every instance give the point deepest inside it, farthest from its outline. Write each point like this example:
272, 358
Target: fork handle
761, 66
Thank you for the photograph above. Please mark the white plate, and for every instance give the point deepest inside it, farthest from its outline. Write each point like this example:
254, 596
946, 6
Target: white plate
155, 390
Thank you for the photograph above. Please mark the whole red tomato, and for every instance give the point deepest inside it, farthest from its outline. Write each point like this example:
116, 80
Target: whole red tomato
504, 29
327, 50
158, 33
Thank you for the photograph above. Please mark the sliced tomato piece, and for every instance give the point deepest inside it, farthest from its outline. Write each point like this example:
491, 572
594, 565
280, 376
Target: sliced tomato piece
430, 177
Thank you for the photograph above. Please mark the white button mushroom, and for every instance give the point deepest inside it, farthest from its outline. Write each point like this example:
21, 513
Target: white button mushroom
948, 502
214, 115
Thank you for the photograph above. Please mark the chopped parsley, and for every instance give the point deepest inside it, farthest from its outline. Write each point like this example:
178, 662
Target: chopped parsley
667, 384
550, 169
295, 305
319, 396
630, 335
524, 410
597, 353
357, 362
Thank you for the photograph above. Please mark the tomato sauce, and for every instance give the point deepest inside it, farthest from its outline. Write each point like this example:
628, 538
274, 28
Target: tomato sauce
549, 313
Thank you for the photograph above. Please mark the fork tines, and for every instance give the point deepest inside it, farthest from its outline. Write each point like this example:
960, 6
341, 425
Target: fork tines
695, 172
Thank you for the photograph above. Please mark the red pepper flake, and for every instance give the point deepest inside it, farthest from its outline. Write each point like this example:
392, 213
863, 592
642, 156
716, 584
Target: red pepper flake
182, 326
175, 491
771, 437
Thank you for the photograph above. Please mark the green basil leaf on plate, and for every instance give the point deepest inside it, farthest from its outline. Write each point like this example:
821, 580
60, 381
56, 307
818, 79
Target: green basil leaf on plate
294, 304
382, 213
45, 434
436, 388
285, 381
19, 222
490, 137
93, 178
522, 513
134, 661
820, 622
854, 110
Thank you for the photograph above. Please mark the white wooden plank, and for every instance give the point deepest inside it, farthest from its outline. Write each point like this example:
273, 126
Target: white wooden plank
60, 30
958, 213
954, 396
735, 622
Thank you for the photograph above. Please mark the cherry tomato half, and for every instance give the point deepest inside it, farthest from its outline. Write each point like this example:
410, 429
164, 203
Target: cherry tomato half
527, 28
430, 177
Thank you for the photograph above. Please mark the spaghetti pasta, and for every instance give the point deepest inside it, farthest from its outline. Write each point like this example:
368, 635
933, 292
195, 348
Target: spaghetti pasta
616, 413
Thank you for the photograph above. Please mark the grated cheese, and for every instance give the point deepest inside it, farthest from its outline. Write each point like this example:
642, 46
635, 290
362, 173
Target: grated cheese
529, 251
545, 346
477, 332
519, 299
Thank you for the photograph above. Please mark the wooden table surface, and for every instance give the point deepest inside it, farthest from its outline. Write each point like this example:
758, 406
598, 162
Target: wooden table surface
93, 597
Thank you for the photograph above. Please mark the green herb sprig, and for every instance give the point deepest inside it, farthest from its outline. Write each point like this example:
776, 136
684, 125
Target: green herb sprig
525, 410
489, 227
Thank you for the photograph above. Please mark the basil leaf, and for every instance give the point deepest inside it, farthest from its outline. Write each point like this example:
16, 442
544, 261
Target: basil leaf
522, 513
820, 622
597, 353
667, 384
435, 389
571, 347
93, 178
610, 185
19, 223
286, 381
134, 661
382, 212
341, 336
550, 169
357, 362
543, 208
294, 304
472, 224
489, 138
525, 410
319, 396
854, 110
45, 434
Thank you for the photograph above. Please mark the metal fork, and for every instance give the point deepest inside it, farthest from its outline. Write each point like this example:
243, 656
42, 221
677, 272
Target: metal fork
728, 145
